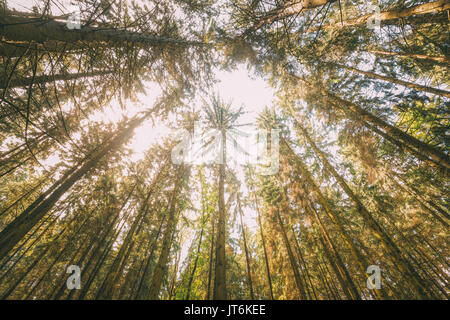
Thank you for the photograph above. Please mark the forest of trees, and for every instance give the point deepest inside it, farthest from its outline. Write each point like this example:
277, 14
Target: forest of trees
361, 109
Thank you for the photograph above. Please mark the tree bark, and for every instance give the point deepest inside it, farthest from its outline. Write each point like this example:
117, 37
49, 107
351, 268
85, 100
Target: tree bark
161, 266
263, 239
411, 85
292, 260
247, 257
17, 28
220, 286
286, 10
24, 82
420, 9
439, 59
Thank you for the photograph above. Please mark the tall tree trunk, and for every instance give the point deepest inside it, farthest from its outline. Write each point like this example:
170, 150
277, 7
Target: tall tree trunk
263, 240
18, 29
331, 283
220, 287
24, 195
36, 284
292, 260
172, 288
334, 258
161, 266
323, 278
357, 254
23, 248
405, 148
416, 193
211, 254
191, 277
143, 287
107, 288
107, 241
418, 198
202, 220
303, 261
17, 259
290, 8
247, 257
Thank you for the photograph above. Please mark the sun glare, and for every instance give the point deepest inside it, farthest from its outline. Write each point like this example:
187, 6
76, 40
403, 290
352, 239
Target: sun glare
236, 86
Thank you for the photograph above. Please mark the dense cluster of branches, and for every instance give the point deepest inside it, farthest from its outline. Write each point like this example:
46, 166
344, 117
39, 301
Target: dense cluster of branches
363, 175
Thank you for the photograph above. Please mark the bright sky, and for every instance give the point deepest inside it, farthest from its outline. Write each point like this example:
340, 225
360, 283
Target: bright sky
57, 7
235, 86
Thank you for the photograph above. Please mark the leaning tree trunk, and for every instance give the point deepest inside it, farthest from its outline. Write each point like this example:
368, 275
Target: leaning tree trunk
107, 289
411, 85
143, 287
333, 256
357, 254
191, 276
420, 9
292, 260
307, 277
286, 10
161, 266
436, 155
18, 228
411, 55
377, 229
199, 245
421, 201
212, 218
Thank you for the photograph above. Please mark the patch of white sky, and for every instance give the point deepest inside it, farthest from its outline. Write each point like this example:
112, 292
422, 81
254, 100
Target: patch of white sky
57, 7
21, 5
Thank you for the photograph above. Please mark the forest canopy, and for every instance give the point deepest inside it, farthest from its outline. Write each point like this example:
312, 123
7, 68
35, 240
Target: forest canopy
335, 188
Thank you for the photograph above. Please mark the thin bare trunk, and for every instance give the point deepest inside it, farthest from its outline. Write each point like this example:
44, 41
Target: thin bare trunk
220, 286
247, 257
411, 55
411, 85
